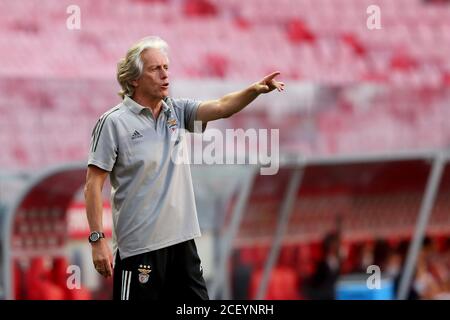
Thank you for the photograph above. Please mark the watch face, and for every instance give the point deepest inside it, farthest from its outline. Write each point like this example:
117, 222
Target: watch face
95, 236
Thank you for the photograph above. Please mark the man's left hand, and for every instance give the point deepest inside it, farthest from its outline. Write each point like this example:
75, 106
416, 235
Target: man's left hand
268, 83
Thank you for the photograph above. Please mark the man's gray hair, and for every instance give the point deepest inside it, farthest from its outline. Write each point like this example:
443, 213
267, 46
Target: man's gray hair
130, 68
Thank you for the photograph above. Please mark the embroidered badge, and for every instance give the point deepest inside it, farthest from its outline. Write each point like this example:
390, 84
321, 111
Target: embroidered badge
172, 122
144, 273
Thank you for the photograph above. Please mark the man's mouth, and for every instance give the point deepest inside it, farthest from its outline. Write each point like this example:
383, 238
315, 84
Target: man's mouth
165, 86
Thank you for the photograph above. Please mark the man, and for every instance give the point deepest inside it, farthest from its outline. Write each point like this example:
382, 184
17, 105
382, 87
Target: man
154, 214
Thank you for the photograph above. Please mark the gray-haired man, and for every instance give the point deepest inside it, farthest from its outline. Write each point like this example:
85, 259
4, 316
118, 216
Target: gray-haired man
154, 214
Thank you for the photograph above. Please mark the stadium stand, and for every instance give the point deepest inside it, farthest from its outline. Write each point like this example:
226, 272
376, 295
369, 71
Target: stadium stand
306, 39
303, 39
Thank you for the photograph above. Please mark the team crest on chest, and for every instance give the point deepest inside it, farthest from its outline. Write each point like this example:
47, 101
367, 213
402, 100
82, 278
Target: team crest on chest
172, 124
144, 273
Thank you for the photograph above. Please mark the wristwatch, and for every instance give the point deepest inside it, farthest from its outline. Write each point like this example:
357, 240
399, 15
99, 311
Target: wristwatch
95, 236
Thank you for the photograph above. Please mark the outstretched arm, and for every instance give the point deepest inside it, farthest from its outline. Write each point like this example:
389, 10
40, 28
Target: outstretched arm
234, 102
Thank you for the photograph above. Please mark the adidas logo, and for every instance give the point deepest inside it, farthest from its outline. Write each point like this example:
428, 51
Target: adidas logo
136, 135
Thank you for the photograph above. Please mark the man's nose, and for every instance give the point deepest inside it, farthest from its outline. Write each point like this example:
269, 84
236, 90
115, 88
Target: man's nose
164, 74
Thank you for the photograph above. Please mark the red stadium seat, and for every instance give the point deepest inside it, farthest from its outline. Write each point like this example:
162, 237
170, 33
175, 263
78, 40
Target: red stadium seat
352, 41
37, 280
45, 290
59, 272
446, 78
283, 284
79, 294
216, 65
403, 61
199, 8
298, 32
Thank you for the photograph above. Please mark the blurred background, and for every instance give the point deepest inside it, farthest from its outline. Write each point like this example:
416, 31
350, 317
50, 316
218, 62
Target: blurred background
364, 176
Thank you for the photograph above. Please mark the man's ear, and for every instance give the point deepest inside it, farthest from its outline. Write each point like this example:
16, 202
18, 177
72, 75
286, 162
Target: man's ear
134, 83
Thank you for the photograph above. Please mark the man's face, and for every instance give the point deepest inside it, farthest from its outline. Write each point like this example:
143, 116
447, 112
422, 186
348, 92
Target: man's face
154, 81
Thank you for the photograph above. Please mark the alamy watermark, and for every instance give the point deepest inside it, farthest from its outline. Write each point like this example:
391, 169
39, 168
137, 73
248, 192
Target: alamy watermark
74, 279
374, 19
73, 21
374, 280
234, 146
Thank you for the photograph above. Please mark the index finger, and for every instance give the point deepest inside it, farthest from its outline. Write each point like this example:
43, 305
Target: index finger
272, 75
107, 269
